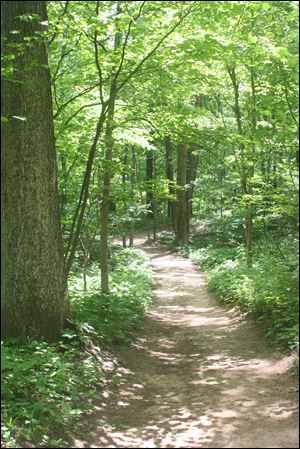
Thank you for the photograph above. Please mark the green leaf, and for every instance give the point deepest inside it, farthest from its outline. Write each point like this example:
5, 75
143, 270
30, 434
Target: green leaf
266, 6
252, 39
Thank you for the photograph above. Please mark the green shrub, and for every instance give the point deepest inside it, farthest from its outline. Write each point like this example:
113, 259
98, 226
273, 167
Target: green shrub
268, 290
44, 387
116, 316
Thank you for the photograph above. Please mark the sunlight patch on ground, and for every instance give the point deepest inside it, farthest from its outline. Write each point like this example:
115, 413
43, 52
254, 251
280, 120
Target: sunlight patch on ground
200, 376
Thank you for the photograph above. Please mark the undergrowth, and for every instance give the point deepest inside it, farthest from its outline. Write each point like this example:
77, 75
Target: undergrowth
116, 316
46, 387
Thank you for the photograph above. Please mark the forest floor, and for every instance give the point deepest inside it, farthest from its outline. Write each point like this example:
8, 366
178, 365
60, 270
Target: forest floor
198, 375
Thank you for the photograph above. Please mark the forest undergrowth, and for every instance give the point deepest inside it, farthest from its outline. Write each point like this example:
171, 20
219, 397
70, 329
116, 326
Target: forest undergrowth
46, 387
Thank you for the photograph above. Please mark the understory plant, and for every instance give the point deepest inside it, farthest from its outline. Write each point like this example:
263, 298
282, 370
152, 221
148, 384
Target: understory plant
47, 387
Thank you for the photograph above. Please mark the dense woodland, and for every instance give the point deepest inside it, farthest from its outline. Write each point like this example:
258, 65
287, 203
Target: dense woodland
177, 120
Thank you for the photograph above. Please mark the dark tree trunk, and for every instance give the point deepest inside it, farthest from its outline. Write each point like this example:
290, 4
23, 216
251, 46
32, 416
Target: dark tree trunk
191, 171
181, 213
104, 217
245, 185
170, 178
33, 286
124, 184
106, 200
131, 194
149, 188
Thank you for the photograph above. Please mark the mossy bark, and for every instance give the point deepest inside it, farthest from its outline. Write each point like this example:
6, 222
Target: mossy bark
33, 299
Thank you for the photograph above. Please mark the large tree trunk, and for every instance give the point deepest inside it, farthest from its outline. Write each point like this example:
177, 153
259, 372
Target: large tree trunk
181, 213
32, 282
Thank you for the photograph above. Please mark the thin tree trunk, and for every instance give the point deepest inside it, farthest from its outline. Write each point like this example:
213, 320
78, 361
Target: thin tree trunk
181, 227
107, 174
170, 179
149, 190
124, 174
104, 217
131, 194
246, 187
191, 172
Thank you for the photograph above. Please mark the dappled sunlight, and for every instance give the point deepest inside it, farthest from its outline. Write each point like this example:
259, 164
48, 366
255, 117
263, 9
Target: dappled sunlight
172, 317
280, 411
200, 376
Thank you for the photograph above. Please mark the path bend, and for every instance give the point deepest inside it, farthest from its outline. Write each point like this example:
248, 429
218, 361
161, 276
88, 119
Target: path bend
197, 376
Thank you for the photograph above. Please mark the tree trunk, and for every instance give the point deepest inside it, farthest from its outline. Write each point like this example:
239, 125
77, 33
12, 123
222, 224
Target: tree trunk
34, 300
181, 226
149, 189
244, 175
107, 172
170, 179
131, 194
191, 171
125, 205
104, 218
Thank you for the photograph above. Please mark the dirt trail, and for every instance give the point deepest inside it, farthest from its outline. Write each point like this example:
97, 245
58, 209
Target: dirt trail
198, 376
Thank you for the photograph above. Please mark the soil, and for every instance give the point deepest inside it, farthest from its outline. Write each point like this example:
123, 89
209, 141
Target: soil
198, 375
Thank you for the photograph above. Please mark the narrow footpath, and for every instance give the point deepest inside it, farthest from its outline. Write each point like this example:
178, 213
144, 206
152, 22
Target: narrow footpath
197, 376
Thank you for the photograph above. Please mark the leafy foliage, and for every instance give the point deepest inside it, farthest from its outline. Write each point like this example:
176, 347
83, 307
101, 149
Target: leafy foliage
45, 387
116, 316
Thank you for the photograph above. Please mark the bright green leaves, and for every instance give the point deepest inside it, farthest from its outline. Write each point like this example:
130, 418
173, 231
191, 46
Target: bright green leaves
281, 53
45, 387
266, 6
252, 39
131, 281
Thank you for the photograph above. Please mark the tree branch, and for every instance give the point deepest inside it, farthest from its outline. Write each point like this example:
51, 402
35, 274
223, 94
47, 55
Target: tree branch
148, 56
83, 92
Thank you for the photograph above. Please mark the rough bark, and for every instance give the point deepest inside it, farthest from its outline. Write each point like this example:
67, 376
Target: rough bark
33, 286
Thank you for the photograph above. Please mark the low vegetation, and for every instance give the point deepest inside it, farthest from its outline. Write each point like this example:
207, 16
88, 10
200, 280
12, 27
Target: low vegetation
46, 387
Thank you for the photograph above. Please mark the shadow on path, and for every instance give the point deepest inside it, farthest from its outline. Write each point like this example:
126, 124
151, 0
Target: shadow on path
198, 376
